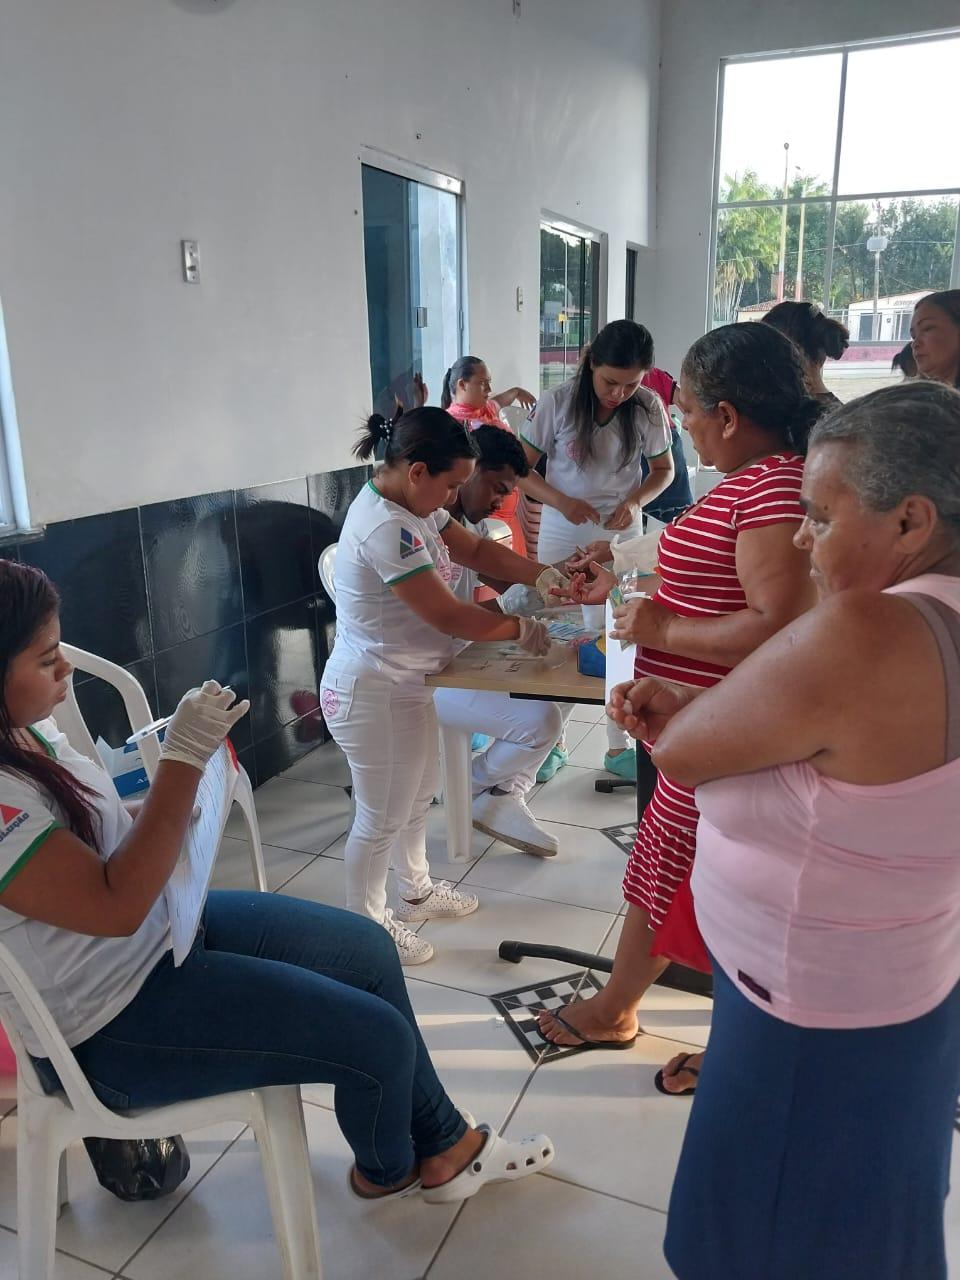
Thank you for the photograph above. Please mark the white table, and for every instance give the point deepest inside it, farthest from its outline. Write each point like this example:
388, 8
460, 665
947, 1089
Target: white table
484, 666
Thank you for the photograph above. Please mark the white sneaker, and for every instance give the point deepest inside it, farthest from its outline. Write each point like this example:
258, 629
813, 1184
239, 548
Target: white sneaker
508, 819
411, 949
444, 902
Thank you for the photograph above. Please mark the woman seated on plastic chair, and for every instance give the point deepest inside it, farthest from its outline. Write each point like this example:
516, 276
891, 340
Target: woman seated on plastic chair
274, 991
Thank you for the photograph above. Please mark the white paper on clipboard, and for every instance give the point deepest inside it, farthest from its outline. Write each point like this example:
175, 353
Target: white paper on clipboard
186, 890
619, 661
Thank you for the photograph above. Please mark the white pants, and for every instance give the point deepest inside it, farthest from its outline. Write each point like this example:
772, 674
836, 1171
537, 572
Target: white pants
523, 733
558, 540
388, 732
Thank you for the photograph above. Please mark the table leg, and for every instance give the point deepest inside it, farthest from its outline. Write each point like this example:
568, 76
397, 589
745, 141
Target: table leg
457, 792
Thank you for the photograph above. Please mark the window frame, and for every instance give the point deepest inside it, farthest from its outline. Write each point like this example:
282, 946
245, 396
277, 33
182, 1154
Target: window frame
14, 511
834, 199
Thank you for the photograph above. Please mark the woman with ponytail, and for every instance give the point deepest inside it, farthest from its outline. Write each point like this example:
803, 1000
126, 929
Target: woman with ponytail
466, 396
398, 620
728, 578
817, 337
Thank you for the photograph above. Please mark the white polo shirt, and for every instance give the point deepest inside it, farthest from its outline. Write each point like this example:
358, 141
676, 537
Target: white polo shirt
601, 480
382, 544
85, 981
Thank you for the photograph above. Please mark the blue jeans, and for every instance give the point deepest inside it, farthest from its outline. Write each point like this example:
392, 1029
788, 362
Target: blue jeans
281, 991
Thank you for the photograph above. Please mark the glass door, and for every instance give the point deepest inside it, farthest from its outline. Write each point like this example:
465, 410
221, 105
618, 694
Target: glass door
411, 238
569, 300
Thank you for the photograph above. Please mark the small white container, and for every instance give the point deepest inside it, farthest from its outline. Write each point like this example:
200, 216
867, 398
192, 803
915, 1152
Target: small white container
593, 617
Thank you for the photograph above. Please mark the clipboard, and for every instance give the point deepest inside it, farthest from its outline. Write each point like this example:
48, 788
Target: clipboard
187, 888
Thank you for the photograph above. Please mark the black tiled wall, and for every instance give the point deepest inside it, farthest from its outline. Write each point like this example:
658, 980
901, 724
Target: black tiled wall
223, 585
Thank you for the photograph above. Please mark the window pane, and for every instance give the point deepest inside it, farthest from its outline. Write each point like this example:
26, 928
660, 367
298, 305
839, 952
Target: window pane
751, 277
887, 254
569, 283
890, 146
777, 101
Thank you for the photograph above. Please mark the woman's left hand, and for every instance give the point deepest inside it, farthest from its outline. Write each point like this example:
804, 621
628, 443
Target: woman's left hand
582, 590
624, 516
524, 397
641, 621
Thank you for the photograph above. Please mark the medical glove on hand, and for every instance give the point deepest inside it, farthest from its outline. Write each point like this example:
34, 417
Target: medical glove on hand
534, 637
200, 723
520, 599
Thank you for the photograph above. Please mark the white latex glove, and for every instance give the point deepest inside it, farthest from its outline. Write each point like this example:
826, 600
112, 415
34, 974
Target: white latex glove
534, 637
520, 599
200, 723
550, 577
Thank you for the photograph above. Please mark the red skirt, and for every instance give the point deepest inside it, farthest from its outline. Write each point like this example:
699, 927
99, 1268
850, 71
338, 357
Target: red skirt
657, 878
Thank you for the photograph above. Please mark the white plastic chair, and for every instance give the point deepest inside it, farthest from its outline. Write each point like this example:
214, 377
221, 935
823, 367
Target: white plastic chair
70, 720
326, 564
48, 1123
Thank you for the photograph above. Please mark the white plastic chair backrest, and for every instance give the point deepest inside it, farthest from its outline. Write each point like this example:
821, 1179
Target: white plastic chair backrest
79, 1094
70, 719
326, 564
498, 530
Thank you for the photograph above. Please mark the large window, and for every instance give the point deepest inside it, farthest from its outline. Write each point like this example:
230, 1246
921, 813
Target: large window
14, 515
569, 299
831, 190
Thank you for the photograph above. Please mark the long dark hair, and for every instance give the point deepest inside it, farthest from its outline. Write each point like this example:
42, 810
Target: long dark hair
464, 368
28, 599
428, 435
757, 370
622, 344
804, 323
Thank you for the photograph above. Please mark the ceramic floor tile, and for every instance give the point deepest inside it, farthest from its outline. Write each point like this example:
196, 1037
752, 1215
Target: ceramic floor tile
95, 1225
325, 763
588, 713
441, 868
585, 873
952, 1215
544, 1227
575, 733
466, 949
570, 797
321, 881
65, 1268
613, 1131
234, 870
479, 1061
589, 752
223, 1231
303, 816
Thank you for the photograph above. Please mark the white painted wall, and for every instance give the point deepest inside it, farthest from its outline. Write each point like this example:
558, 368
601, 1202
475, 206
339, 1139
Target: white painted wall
695, 35
126, 127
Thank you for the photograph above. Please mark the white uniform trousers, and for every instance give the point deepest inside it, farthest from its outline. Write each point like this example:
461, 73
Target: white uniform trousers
523, 732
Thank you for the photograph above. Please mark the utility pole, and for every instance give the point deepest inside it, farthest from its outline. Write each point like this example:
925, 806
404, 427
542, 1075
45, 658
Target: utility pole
781, 273
798, 286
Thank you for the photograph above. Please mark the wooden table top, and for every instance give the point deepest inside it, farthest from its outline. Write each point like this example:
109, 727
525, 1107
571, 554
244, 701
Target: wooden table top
501, 667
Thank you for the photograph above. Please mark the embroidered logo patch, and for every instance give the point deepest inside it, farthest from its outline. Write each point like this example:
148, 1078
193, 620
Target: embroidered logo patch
410, 544
11, 819
329, 702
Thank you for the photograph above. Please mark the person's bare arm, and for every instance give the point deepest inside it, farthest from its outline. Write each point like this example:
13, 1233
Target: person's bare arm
658, 478
776, 582
432, 600
855, 687
512, 394
489, 558
576, 510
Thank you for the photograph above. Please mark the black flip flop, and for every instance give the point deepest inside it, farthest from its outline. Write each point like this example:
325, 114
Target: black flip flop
584, 1043
682, 1066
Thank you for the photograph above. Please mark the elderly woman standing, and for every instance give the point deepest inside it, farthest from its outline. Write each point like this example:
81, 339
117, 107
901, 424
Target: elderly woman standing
827, 878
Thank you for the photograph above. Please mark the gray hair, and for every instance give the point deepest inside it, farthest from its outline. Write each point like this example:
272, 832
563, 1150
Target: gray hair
904, 440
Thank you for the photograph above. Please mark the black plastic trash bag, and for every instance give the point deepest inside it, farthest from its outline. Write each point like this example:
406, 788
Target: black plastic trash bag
139, 1168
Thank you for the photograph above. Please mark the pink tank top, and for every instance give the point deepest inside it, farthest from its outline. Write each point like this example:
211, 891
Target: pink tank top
831, 904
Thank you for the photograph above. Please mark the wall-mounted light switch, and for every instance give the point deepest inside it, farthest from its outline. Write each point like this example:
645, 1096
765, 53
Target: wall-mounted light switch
191, 261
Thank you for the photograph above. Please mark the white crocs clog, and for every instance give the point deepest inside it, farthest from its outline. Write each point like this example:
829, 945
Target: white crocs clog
498, 1160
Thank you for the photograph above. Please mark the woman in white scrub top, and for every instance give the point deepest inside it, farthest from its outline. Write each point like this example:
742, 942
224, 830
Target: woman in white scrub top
595, 431
397, 621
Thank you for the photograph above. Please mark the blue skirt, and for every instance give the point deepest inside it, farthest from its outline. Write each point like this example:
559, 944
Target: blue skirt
816, 1155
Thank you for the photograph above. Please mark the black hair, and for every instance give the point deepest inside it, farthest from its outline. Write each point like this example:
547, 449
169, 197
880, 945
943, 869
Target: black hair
757, 370
905, 362
428, 435
28, 599
622, 344
463, 368
947, 301
816, 334
499, 449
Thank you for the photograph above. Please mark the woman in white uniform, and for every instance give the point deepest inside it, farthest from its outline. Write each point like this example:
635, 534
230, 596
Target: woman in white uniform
397, 621
595, 431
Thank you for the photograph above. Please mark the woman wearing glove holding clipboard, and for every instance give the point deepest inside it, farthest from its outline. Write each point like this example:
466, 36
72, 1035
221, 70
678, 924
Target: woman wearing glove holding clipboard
273, 991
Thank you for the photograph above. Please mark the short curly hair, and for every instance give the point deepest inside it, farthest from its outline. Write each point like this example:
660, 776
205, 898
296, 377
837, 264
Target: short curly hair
498, 449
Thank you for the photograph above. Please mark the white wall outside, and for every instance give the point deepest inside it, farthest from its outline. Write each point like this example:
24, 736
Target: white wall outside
127, 127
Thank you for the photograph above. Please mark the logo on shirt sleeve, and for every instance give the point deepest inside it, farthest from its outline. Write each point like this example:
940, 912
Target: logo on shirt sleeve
10, 819
410, 544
